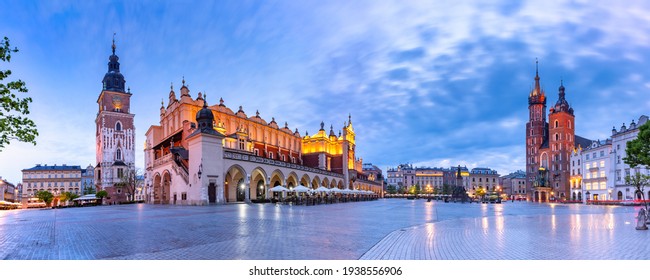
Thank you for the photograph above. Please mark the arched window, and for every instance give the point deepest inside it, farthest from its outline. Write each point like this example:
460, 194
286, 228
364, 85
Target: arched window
568, 124
118, 155
557, 137
557, 124
118, 126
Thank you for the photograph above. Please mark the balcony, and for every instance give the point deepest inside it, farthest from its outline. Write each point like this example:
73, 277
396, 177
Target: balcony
162, 160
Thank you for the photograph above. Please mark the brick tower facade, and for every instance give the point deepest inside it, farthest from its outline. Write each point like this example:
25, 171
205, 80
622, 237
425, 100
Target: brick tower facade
115, 134
561, 144
549, 145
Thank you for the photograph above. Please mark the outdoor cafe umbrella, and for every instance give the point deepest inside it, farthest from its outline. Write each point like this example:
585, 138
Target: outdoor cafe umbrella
300, 189
278, 189
335, 190
322, 189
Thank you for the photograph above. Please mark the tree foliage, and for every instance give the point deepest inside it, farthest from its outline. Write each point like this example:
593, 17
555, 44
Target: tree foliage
45, 196
391, 189
68, 196
14, 125
638, 150
480, 192
638, 181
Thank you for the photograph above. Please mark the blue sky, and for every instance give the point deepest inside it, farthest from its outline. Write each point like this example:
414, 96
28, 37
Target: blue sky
435, 83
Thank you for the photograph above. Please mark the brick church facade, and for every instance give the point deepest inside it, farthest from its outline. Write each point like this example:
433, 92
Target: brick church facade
549, 145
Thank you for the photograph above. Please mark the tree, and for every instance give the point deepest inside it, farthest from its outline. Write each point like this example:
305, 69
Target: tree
415, 189
13, 125
638, 150
638, 153
68, 196
391, 189
480, 192
638, 180
45, 196
101, 195
130, 182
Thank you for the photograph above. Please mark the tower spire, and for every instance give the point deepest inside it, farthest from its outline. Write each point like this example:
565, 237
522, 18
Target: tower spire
113, 79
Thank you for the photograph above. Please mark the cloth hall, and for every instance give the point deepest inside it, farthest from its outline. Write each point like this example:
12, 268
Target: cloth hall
200, 154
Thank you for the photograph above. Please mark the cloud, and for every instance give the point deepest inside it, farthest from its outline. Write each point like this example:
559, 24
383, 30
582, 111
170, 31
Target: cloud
434, 82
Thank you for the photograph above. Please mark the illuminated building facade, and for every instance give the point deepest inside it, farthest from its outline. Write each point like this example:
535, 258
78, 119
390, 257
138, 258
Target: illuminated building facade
8, 191
619, 169
55, 179
395, 176
590, 178
202, 154
483, 178
115, 132
428, 178
514, 184
549, 145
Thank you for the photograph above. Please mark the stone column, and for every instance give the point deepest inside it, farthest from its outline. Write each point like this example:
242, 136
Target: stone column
247, 189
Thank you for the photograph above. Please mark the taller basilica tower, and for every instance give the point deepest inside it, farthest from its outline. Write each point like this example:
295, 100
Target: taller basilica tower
115, 135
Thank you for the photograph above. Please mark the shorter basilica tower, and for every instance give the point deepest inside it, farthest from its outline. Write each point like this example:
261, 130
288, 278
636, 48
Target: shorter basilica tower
115, 134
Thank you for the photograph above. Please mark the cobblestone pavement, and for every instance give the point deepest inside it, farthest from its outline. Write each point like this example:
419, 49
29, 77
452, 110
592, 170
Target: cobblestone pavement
384, 229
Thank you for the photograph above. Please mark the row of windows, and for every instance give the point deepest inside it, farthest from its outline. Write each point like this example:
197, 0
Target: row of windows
282, 157
486, 180
594, 175
602, 164
593, 155
596, 186
55, 184
557, 124
55, 175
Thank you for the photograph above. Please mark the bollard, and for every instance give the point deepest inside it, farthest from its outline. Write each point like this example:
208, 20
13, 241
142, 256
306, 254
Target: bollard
640, 220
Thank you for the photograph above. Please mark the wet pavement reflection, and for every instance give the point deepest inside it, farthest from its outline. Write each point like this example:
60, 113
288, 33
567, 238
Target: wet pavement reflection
383, 229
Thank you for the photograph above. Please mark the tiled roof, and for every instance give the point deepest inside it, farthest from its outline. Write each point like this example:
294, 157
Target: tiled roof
39, 167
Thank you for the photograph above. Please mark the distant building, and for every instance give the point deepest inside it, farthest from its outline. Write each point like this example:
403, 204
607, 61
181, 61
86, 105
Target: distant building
592, 176
514, 184
52, 178
598, 170
7, 191
19, 192
88, 180
483, 178
619, 169
395, 176
140, 190
450, 177
373, 173
428, 178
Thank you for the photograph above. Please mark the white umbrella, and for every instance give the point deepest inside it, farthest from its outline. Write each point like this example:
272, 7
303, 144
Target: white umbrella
300, 189
322, 189
86, 197
336, 190
278, 189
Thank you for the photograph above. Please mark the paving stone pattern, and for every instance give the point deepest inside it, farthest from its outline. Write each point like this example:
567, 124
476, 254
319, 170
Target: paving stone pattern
383, 229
